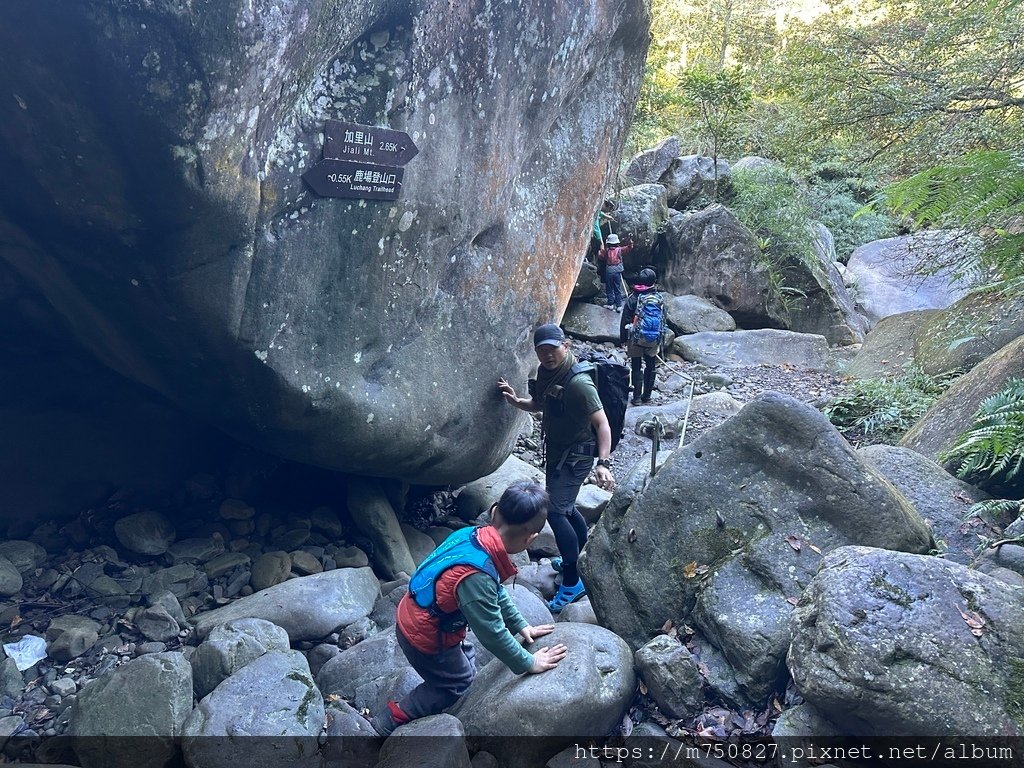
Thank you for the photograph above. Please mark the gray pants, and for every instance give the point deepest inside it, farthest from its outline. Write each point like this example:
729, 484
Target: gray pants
568, 525
446, 677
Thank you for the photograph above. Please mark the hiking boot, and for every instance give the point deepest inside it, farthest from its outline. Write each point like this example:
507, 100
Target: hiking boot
636, 400
645, 399
566, 595
556, 564
385, 721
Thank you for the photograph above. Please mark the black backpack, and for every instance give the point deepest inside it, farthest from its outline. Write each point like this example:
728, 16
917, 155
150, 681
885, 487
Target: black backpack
612, 381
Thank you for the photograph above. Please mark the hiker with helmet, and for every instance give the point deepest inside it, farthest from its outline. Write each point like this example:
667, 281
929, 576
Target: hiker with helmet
612, 256
459, 584
642, 329
576, 431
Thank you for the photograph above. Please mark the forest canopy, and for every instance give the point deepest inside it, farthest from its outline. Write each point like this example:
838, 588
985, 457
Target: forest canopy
854, 96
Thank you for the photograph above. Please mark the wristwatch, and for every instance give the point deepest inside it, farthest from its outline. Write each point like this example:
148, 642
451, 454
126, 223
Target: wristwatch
604, 463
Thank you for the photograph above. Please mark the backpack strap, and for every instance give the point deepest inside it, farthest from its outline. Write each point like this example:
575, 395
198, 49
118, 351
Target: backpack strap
587, 367
461, 548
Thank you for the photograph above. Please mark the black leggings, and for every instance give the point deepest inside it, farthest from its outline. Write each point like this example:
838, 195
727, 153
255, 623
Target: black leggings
570, 535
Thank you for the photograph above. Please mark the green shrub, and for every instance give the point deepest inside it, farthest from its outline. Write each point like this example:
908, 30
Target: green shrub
991, 453
882, 410
839, 204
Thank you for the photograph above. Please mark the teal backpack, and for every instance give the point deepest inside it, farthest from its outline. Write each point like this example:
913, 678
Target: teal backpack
460, 548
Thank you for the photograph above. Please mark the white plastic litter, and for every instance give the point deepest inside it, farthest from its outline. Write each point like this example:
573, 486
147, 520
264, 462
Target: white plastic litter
26, 652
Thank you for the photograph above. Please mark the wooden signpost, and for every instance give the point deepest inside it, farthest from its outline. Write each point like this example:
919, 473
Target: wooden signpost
361, 161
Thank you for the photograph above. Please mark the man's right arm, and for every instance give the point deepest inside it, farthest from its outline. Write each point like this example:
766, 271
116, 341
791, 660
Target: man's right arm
522, 403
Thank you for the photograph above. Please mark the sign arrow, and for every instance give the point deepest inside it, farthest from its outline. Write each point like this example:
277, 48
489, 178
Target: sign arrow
367, 144
341, 178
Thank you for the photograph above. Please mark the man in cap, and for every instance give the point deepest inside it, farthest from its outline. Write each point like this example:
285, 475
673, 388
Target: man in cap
576, 431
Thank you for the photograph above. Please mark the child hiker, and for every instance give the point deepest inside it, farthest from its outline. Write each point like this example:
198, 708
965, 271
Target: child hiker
459, 584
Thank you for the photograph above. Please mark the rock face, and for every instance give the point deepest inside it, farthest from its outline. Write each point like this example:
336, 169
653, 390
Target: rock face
882, 644
889, 349
648, 166
884, 279
731, 526
953, 413
693, 181
154, 197
711, 254
969, 331
938, 497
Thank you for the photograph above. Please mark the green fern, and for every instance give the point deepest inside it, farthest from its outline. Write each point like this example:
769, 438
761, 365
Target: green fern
991, 453
983, 192
1002, 509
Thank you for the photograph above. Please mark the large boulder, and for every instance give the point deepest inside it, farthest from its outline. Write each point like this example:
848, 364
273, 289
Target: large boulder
888, 350
953, 413
307, 608
941, 499
174, 234
895, 644
133, 715
641, 213
693, 181
591, 322
585, 695
370, 673
695, 314
762, 347
710, 253
886, 275
272, 698
969, 331
648, 166
732, 528
231, 646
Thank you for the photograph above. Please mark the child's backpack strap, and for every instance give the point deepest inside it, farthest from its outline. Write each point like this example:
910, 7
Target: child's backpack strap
462, 547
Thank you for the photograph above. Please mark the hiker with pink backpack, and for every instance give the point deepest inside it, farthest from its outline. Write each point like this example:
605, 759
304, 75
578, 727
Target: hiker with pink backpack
612, 256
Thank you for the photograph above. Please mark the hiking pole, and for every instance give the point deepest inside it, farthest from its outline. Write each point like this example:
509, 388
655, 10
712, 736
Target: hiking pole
656, 431
686, 416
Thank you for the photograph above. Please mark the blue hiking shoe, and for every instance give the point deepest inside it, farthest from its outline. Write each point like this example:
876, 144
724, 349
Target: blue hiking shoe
566, 595
556, 563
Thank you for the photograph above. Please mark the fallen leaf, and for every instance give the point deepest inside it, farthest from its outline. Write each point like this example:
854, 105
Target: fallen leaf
813, 547
631, 537
666, 626
333, 697
16, 621
704, 671
776, 705
794, 542
627, 726
690, 570
643, 689
973, 620
792, 600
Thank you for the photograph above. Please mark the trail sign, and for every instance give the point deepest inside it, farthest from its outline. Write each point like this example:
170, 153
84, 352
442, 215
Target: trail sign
367, 144
341, 178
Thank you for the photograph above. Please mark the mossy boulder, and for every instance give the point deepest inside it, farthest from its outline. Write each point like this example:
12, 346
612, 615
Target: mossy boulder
733, 526
966, 333
895, 644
